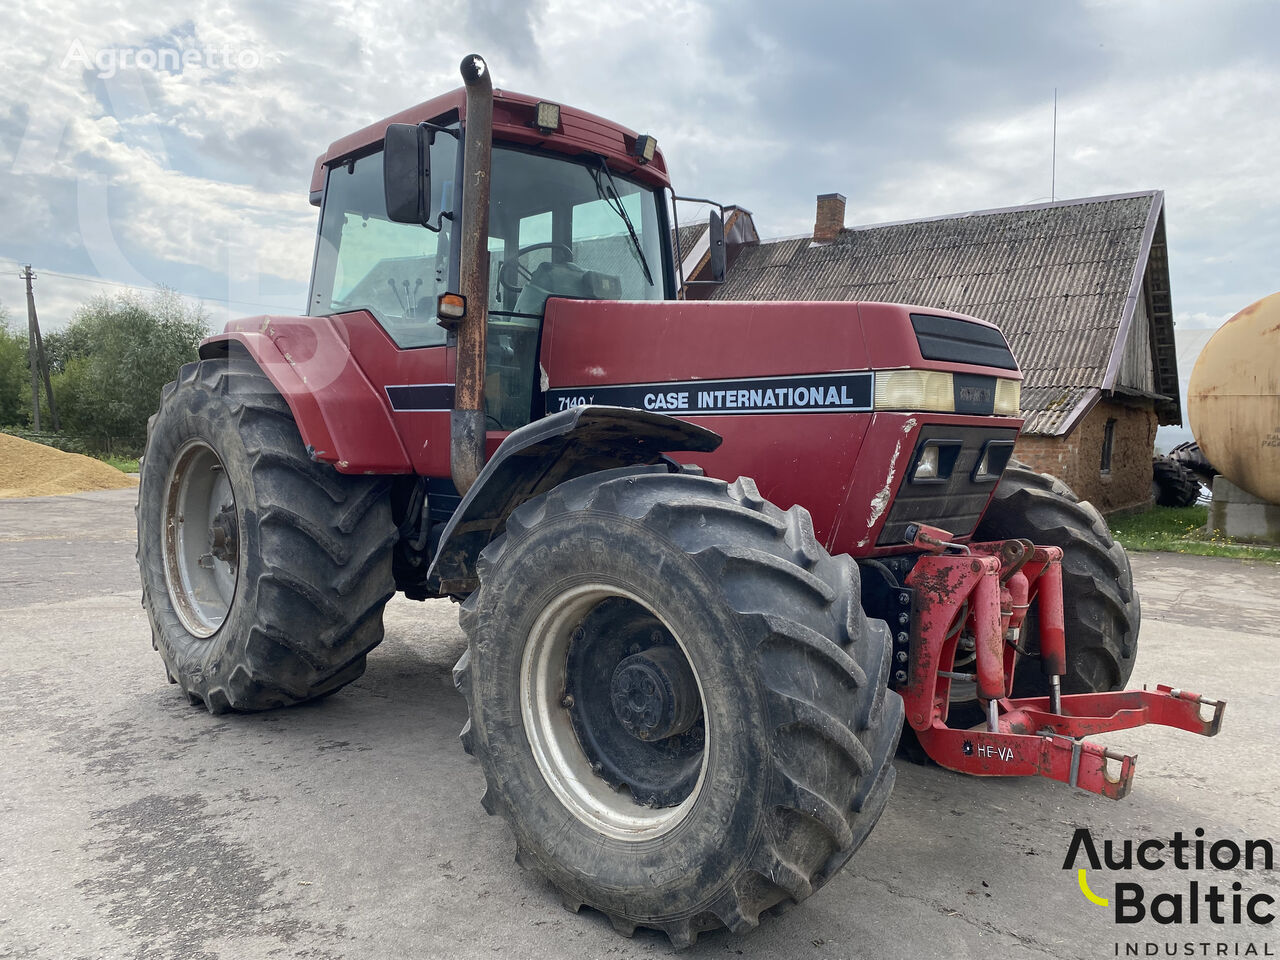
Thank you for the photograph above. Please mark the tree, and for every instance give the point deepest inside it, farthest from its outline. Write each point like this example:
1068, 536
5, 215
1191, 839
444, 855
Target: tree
115, 356
15, 376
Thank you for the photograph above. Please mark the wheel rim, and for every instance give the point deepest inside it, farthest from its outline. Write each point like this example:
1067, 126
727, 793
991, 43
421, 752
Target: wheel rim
201, 539
549, 723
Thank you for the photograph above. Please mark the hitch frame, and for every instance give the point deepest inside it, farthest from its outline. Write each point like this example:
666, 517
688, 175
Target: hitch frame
983, 591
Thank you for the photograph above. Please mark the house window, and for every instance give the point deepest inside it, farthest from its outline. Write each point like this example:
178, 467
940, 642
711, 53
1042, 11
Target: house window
1108, 438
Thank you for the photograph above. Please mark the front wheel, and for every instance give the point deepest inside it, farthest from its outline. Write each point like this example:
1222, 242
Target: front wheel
676, 699
1100, 603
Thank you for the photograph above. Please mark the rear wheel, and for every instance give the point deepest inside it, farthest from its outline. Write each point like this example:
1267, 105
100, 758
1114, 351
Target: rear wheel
264, 574
676, 699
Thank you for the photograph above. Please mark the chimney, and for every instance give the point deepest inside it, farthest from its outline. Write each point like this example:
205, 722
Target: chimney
830, 217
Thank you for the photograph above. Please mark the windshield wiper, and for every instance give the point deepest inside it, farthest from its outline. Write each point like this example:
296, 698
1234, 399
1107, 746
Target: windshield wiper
614, 203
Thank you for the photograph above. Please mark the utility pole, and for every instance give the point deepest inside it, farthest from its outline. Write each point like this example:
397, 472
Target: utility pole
36, 358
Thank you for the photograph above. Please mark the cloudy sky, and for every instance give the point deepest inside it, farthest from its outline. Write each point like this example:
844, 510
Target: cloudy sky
145, 143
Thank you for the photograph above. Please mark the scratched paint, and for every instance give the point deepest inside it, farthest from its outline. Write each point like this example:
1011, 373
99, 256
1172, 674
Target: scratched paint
880, 502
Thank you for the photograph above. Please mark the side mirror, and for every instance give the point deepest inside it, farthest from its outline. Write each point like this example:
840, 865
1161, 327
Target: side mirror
406, 172
716, 238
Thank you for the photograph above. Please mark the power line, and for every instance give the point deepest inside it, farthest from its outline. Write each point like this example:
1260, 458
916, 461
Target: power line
133, 286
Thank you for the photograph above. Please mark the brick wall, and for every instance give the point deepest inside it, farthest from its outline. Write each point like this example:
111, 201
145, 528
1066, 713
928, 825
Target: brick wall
1077, 458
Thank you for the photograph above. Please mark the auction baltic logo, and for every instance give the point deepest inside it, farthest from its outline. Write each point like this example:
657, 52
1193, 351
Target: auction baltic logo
1187, 905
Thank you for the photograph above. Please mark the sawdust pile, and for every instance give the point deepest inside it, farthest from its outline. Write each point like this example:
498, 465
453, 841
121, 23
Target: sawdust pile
33, 470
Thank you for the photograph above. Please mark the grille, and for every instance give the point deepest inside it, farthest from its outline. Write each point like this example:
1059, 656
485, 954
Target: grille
954, 504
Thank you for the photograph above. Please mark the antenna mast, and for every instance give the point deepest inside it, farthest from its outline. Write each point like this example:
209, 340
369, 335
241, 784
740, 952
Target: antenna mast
1053, 163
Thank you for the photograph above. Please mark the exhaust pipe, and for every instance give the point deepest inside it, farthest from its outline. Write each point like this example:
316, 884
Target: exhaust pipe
467, 419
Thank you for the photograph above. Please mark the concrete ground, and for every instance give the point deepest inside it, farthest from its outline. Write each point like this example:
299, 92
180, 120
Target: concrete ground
134, 825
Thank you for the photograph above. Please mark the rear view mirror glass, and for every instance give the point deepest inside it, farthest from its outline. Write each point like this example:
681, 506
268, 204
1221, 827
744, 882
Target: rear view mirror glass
406, 173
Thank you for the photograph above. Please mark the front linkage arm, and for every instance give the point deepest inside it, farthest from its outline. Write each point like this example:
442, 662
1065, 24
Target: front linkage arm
983, 591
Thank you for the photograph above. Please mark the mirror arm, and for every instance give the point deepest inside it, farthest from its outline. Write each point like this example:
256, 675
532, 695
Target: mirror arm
432, 129
680, 265
436, 128
675, 232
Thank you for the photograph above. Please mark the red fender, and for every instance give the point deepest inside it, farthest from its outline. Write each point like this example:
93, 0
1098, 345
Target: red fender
343, 419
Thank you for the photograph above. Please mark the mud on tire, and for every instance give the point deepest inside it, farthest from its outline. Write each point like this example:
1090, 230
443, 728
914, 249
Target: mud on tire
800, 728
313, 548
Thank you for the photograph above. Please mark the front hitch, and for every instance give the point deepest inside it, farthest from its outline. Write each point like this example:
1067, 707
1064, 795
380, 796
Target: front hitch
982, 591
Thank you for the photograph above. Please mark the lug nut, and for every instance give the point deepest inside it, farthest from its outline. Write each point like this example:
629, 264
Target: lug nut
566, 701
904, 597
903, 638
904, 619
900, 676
902, 656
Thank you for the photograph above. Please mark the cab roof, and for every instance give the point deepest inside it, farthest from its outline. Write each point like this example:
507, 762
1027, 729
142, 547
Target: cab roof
513, 113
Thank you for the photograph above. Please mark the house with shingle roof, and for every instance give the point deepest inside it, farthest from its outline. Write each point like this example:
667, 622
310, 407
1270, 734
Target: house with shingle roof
1080, 289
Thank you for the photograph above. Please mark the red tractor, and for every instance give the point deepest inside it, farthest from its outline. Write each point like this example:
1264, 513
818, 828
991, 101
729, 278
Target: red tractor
686, 687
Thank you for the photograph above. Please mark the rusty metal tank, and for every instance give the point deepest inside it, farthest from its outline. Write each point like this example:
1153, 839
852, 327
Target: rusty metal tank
1233, 399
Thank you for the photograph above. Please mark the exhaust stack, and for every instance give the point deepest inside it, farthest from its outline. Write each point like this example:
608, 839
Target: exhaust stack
467, 419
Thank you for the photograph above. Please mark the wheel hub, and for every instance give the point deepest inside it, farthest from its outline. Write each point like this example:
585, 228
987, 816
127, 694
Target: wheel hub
654, 694
224, 535
614, 711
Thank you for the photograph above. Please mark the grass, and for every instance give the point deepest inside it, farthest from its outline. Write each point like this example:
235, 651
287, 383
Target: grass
123, 464
1181, 530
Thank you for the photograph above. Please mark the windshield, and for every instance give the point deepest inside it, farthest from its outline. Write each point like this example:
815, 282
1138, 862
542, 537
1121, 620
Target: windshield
569, 228
558, 227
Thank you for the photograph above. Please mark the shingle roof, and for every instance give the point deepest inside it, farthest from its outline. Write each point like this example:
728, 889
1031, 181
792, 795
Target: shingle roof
1060, 279
688, 235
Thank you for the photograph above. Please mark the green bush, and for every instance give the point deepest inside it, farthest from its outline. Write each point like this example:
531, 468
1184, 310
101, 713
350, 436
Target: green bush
114, 357
15, 376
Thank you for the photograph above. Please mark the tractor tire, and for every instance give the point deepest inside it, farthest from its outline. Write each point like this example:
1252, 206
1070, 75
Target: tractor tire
1172, 484
1192, 457
1101, 607
786, 765
274, 594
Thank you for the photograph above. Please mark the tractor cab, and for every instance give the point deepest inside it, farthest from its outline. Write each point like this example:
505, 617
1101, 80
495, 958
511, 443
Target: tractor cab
563, 221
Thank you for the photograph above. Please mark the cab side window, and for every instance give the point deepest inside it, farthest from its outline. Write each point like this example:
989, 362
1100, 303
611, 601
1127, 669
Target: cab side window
364, 261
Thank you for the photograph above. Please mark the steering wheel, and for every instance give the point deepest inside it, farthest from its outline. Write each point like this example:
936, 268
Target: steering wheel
514, 274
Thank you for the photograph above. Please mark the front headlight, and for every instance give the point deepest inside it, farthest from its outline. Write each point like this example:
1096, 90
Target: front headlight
934, 391
1008, 397
927, 465
935, 461
924, 390
994, 458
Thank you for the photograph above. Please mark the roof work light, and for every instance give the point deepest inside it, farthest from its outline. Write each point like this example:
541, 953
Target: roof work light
547, 116
643, 150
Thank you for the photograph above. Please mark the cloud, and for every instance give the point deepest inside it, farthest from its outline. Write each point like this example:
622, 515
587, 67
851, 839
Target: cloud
198, 176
